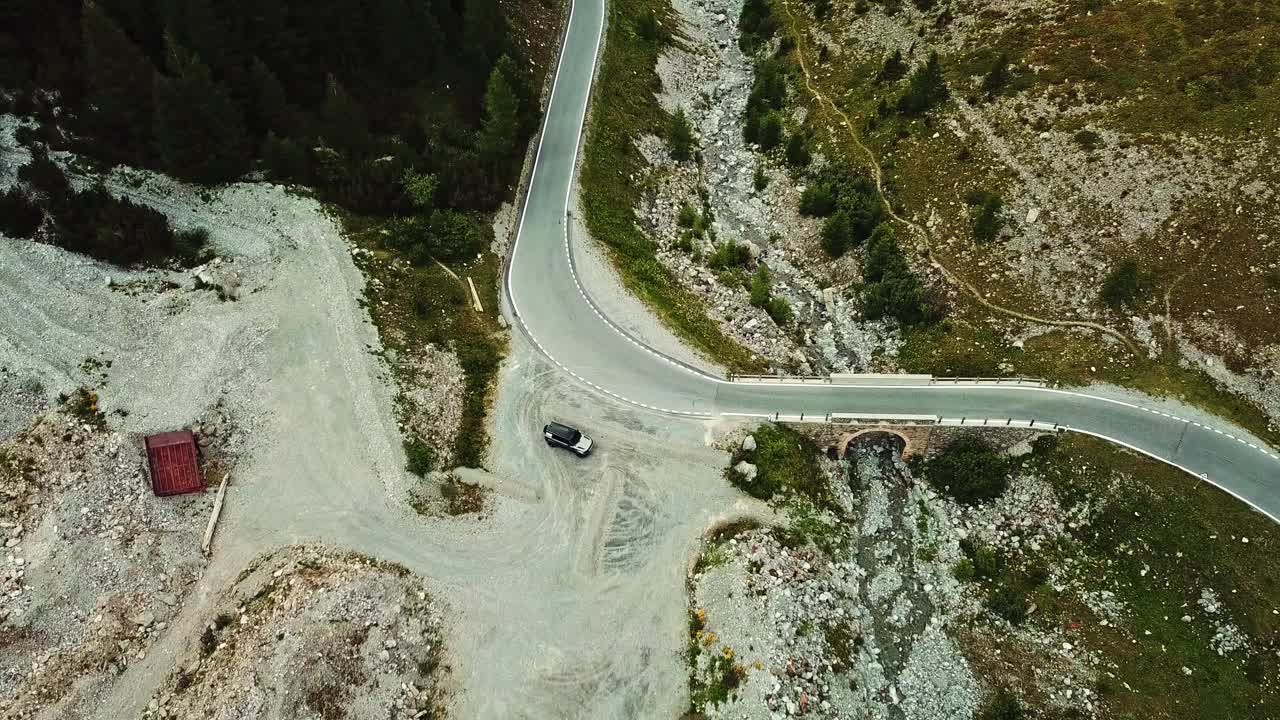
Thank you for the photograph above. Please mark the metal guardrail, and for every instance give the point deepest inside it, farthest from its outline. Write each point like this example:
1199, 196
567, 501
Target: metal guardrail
782, 379
1035, 382
874, 379
872, 419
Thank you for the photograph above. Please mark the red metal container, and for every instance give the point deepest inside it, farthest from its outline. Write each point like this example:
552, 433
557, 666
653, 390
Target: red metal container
171, 458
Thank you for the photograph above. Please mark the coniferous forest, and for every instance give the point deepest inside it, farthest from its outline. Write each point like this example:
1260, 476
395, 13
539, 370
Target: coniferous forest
356, 98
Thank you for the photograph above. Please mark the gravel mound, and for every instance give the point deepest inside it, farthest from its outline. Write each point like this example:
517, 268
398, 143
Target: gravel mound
309, 633
94, 565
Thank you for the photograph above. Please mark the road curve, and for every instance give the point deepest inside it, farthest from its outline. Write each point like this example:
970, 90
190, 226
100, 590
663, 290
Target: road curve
551, 307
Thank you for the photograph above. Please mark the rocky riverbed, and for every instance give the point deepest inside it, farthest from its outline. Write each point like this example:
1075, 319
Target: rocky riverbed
911, 605
709, 77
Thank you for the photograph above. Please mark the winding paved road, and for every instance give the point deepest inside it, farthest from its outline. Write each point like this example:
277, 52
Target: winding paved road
552, 308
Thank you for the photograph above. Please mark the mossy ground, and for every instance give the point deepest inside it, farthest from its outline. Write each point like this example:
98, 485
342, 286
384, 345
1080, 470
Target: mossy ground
1162, 538
413, 305
624, 108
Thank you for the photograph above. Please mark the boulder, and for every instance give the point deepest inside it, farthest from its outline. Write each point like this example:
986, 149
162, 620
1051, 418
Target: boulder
749, 443
746, 470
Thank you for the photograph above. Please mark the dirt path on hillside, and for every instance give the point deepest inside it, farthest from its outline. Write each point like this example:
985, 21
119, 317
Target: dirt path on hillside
919, 229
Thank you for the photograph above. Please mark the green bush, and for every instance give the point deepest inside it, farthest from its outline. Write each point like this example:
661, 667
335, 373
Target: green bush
761, 287
729, 255
997, 78
44, 176
768, 95
1272, 280
1124, 284
760, 181
987, 564
1088, 139
83, 406
685, 241
817, 200
446, 235
1004, 705
1009, 603
680, 138
20, 216
762, 297
851, 204
986, 211
688, 216
756, 25
786, 463
963, 570
650, 29
969, 470
779, 310
770, 132
837, 234
420, 457
821, 8
892, 289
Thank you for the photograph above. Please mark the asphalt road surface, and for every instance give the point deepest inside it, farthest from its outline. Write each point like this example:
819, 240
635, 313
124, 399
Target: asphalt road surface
553, 310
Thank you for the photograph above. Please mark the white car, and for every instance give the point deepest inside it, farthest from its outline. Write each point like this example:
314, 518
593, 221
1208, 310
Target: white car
558, 435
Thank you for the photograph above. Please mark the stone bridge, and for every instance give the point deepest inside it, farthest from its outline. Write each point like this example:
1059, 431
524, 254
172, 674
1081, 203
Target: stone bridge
913, 439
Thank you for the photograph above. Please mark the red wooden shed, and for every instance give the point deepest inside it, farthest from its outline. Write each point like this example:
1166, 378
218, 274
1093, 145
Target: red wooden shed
171, 458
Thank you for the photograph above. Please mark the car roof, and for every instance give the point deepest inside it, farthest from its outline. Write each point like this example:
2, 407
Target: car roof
560, 429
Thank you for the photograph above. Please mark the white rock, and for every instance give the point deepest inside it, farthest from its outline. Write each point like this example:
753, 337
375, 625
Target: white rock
749, 443
747, 470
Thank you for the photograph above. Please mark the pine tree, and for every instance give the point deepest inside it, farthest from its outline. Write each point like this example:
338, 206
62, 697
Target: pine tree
343, 121
837, 234
520, 82
894, 68
680, 136
270, 107
499, 133
798, 154
196, 25
408, 39
115, 86
484, 32
926, 90
199, 131
998, 76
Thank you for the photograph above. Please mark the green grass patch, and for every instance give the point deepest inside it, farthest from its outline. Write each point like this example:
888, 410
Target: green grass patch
786, 464
412, 305
82, 404
624, 107
969, 470
788, 475
1161, 539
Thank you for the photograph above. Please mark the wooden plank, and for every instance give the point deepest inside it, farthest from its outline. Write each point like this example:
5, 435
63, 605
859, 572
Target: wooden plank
213, 517
475, 296
443, 267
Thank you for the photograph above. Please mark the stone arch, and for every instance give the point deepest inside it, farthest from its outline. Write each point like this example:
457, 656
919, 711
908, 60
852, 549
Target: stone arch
906, 448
